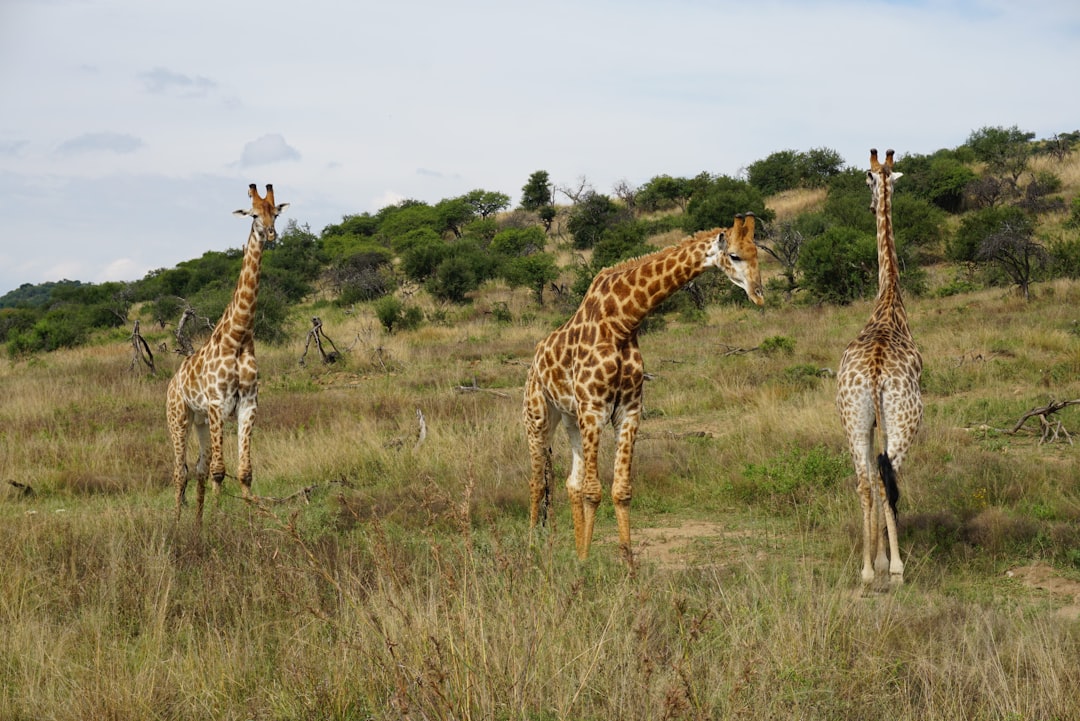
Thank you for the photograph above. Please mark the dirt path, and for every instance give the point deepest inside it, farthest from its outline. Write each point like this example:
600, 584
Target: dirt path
1043, 577
685, 544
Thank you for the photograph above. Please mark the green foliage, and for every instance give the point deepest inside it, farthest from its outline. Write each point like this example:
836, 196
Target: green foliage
940, 179
363, 225
453, 279
791, 479
977, 226
536, 193
29, 295
917, 222
409, 215
789, 169
423, 254
362, 276
840, 265
533, 271
293, 262
1004, 150
592, 216
486, 202
619, 243
1065, 258
717, 201
778, 345
394, 315
663, 192
518, 241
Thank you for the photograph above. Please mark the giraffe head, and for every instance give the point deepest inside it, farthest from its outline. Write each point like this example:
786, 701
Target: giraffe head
734, 253
264, 213
878, 175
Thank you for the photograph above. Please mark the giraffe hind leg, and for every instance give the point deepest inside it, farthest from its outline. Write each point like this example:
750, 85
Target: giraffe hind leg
891, 490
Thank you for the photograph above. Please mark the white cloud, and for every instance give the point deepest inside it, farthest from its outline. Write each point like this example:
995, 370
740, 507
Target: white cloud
119, 143
267, 149
166, 82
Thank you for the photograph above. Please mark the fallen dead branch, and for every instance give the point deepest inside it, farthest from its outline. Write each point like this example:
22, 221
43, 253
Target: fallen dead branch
1050, 429
477, 389
672, 435
304, 493
733, 350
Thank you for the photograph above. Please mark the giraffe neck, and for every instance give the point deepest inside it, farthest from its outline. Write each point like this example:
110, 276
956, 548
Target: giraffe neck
888, 297
237, 324
630, 290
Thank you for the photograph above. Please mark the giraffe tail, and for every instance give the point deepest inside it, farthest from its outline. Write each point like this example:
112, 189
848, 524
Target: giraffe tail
888, 477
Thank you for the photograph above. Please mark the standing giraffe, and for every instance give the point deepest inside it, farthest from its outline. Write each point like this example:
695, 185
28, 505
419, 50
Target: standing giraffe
221, 380
589, 371
878, 384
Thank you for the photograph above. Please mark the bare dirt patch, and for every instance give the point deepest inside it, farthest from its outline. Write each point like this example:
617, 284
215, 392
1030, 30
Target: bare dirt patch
690, 543
1044, 577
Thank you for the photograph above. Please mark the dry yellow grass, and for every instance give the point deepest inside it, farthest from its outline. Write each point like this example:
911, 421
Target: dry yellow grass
792, 203
403, 584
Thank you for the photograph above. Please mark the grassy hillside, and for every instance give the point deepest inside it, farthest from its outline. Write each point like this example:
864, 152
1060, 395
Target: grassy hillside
384, 578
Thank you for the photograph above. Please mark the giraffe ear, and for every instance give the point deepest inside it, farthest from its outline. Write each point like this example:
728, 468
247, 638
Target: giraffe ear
242, 213
896, 175
282, 207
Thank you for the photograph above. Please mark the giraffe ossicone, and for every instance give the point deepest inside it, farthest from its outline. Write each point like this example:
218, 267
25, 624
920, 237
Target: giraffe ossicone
878, 387
589, 372
220, 380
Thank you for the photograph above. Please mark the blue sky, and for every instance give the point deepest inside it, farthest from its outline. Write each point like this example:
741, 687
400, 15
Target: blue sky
130, 129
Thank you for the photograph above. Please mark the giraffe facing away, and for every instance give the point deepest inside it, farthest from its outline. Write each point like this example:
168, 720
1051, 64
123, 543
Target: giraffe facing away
220, 380
589, 371
878, 385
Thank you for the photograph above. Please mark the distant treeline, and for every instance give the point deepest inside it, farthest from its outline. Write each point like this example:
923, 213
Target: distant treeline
449, 249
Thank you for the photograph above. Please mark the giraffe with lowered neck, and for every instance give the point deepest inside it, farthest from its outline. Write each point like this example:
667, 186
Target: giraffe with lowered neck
589, 372
220, 380
878, 385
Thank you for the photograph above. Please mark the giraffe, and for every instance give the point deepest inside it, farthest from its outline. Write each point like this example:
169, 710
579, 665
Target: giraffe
220, 381
878, 384
589, 371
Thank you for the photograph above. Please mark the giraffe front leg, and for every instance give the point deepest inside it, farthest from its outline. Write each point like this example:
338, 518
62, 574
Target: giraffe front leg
214, 431
590, 481
575, 486
245, 421
621, 486
179, 420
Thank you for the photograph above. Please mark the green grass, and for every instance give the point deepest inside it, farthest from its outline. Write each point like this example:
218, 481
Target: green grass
403, 583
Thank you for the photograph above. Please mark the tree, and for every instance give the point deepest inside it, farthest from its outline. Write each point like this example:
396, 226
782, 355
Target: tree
1004, 150
454, 214
719, 200
486, 202
537, 192
977, 226
663, 192
592, 216
1013, 248
940, 178
533, 271
839, 265
776, 173
817, 166
784, 243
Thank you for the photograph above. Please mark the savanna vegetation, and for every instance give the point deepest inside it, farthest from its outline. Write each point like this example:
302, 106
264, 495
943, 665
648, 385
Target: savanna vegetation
388, 573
